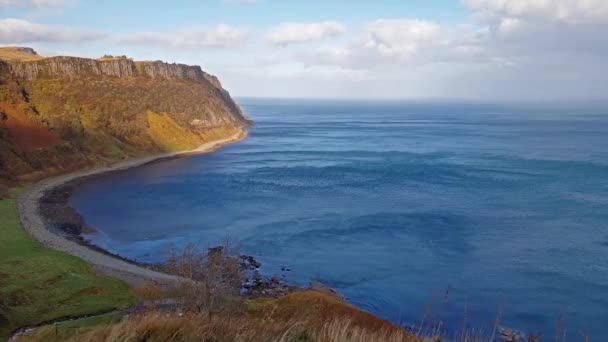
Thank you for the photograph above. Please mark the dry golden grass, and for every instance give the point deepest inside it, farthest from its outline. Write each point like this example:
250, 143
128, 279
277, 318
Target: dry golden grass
18, 54
316, 308
109, 59
170, 136
304, 316
149, 292
155, 326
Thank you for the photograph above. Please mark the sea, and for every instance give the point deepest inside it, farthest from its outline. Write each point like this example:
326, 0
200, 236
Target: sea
487, 211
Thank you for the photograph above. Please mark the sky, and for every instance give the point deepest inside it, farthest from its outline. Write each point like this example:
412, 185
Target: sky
527, 50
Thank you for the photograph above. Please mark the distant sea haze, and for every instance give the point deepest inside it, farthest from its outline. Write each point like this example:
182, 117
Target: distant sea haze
391, 203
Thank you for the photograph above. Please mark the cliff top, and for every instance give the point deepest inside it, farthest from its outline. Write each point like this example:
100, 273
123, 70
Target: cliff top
26, 54
25, 63
19, 54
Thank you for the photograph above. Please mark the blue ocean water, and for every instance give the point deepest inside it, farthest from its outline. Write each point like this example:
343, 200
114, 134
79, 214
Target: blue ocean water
391, 203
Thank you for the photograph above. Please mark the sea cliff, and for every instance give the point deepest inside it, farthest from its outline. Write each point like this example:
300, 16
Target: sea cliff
64, 113
108, 66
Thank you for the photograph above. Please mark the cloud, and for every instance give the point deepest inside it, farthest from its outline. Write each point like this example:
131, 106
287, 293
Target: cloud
220, 36
571, 11
381, 42
294, 33
505, 50
517, 47
36, 3
401, 38
17, 31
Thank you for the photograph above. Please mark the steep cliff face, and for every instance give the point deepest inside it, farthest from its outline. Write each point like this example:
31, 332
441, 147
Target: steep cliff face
106, 109
71, 67
74, 67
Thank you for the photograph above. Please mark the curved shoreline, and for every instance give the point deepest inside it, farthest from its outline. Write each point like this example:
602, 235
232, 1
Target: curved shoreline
28, 207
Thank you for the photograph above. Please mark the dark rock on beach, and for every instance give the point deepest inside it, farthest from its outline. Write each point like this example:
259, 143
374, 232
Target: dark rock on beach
267, 287
249, 263
59, 216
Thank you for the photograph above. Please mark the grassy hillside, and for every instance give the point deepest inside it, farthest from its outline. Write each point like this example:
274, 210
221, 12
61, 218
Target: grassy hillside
170, 136
38, 285
28, 150
63, 113
305, 316
19, 54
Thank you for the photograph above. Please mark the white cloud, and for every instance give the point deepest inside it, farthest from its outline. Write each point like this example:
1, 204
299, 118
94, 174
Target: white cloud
382, 42
292, 33
572, 11
220, 36
335, 55
36, 3
515, 51
17, 31
401, 38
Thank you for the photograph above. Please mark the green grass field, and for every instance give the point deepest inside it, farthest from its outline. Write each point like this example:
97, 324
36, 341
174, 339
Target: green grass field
38, 285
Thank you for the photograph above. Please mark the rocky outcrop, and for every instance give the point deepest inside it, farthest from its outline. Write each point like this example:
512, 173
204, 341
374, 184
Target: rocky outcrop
163, 70
117, 67
72, 67
25, 51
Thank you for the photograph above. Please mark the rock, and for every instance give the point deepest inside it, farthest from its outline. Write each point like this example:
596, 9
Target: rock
27, 51
257, 277
265, 287
249, 262
118, 67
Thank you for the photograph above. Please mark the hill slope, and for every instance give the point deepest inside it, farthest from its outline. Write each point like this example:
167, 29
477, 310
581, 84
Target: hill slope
62, 113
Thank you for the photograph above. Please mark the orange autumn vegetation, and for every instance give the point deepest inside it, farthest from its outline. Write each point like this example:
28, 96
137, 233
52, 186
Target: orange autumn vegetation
316, 308
303, 316
66, 113
23, 131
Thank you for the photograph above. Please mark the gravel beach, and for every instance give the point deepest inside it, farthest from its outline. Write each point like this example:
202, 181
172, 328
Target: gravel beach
103, 264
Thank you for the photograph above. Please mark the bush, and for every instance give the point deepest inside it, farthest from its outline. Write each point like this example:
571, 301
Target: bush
212, 279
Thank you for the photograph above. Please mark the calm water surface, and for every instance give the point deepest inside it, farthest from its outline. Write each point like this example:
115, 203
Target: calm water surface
390, 203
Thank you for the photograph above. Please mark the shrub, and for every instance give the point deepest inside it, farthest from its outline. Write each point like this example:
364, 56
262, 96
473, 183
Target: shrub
212, 279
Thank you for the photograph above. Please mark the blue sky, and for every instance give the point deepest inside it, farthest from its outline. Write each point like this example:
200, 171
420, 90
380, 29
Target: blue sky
121, 16
490, 49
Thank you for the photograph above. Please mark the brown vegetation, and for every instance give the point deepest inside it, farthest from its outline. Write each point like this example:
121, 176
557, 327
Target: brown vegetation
24, 132
171, 327
19, 54
214, 279
63, 113
209, 307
